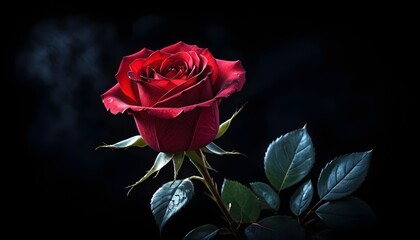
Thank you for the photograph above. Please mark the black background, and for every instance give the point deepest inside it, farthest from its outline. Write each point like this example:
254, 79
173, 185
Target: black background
341, 79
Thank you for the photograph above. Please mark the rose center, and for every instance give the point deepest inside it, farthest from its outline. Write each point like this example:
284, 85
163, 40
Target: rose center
175, 72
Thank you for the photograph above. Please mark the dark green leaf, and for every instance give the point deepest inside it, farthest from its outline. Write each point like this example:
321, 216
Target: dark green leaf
178, 160
269, 199
274, 228
136, 141
343, 175
301, 198
161, 160
204, 232
289, 159
225, 125
213, 148
243, 203
169, 199
346, 214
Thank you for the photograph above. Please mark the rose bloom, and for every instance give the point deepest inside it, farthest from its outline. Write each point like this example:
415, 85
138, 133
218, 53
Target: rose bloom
174, 94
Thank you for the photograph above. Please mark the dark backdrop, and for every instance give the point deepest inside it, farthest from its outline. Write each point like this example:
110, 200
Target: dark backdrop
340, 79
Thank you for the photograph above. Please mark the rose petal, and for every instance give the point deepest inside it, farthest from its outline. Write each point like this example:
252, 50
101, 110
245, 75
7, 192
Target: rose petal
165, 113
201, 67
200, 92
191, 78
181, 47
153, 62
167, 85
188, 131
135, 66
206, 127
180, 58
231, 78
116, 101
213, 65
192, 72
153, 75
149, 93
196, 60
168, 113
121, 75
176, 73
180, 87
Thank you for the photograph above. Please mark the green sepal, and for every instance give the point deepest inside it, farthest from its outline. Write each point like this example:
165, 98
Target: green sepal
135, 141
161, 160
225, 125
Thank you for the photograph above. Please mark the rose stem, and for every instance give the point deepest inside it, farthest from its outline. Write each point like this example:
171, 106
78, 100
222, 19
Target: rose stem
198, 161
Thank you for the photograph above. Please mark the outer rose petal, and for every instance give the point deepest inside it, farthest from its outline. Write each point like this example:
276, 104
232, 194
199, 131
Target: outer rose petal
122, 73
116, 101
188, 131
231, 78
181, 47
206, 127
212, 63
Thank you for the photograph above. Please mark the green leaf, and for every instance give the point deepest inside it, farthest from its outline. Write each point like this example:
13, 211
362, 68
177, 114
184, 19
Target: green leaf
269, 199
346, 214
136, 141
203, 232
274, 228
177, 161
301, 198
225, 125
161, 160
169, 199
343, 175
243, 203
289, 159
213, 148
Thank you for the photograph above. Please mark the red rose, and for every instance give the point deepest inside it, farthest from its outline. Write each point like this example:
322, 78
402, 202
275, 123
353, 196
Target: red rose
173, 94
